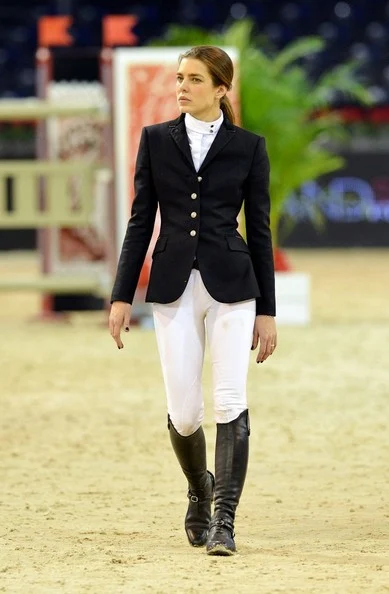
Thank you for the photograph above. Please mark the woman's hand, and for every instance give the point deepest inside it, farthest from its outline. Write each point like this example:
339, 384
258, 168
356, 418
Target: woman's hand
119, 316
266, 334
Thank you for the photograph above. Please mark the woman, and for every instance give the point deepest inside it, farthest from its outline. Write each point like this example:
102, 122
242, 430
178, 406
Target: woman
204, 279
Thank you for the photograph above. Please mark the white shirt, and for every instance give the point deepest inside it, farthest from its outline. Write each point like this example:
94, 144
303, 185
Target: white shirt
201, 135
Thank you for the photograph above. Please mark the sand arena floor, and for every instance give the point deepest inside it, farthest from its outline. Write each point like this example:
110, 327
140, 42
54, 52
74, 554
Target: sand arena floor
92, 499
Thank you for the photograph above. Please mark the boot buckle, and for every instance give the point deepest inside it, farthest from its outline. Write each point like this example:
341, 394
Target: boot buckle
193, 498
220, 523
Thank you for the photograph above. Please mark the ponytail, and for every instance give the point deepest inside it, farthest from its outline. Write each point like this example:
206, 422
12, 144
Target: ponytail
226, 107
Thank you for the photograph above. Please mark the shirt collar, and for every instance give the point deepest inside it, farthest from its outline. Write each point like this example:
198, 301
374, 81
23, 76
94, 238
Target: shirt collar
195, 125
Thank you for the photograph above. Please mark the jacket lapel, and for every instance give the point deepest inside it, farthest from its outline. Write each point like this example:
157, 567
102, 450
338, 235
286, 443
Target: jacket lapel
178, 133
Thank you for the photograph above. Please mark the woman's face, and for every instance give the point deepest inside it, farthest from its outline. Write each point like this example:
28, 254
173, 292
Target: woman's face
195, 91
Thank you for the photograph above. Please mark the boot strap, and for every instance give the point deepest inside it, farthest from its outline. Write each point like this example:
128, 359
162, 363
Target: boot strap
196, 499
220, 523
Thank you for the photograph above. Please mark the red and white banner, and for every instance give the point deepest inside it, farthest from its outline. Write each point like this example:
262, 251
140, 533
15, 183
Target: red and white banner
78, 250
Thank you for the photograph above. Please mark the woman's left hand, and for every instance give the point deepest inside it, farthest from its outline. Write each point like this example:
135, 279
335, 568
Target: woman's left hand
266, 334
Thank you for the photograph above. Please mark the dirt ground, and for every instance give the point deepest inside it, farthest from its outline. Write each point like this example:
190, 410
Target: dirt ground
92, 499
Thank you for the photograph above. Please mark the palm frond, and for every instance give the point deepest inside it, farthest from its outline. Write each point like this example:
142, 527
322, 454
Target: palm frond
239, 34
297, 49
176, 35
342, 79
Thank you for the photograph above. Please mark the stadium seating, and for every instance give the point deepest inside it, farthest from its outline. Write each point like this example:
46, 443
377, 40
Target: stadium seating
357, 29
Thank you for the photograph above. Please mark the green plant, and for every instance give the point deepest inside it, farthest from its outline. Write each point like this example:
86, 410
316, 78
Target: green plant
280, 102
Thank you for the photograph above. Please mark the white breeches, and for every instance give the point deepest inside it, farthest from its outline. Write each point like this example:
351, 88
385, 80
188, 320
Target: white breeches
180, 329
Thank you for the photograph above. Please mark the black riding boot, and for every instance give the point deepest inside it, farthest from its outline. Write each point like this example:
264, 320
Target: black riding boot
191, 454
231, 458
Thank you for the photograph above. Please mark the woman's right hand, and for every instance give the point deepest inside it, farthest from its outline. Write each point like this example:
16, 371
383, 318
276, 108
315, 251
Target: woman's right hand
119, 316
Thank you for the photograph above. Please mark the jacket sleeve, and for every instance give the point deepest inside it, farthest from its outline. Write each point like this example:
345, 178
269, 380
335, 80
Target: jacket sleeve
139, 229
257, 215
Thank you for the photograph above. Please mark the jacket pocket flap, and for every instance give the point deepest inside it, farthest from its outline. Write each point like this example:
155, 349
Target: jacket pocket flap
160, 245
237, 244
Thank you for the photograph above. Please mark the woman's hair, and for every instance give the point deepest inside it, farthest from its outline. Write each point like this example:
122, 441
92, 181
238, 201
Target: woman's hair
220, 68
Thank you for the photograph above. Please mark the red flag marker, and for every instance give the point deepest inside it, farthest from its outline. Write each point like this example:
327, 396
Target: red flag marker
117, 30
53, 30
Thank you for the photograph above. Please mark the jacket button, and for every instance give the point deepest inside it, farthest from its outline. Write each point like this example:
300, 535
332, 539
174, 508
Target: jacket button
193, 196
193, 233
193, 215
199, 179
